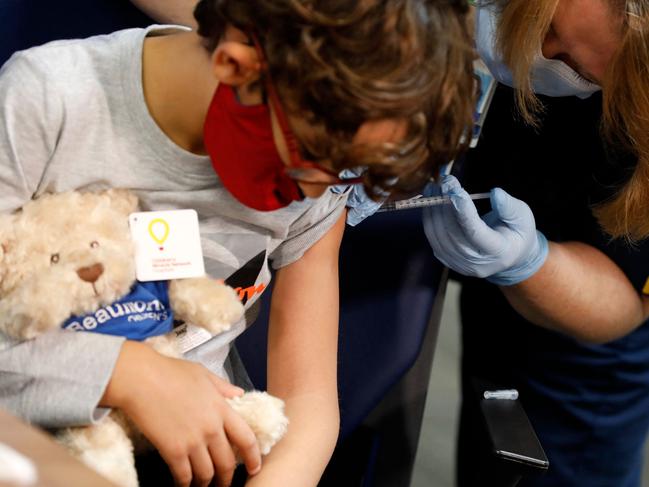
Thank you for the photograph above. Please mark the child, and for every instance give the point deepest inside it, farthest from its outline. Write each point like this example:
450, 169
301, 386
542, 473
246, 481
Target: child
222, 120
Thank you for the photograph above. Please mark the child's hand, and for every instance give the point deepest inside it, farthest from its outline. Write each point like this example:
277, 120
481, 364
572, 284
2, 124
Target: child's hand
180, 407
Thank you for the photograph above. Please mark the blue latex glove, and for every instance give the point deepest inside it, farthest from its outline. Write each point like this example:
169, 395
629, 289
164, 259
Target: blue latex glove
504, 245
359, 205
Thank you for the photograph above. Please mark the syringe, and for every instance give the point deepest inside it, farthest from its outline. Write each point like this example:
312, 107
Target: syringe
424, 202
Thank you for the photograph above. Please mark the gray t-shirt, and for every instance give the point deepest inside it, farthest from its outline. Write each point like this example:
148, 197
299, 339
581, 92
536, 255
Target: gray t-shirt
74, 117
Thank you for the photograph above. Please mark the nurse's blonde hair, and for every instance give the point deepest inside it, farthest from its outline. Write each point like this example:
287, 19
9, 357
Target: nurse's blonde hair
522, 27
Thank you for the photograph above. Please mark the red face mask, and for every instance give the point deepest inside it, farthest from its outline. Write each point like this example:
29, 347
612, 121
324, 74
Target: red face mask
239, 140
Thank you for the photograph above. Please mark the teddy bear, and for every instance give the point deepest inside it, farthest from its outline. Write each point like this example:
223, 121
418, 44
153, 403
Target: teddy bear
69, 255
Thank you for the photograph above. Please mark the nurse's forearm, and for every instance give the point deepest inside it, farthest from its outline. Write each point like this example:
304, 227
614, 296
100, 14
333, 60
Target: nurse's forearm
581, 292
169, 12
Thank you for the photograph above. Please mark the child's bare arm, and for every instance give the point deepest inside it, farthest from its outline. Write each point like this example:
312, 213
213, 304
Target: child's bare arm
302, 358
180, 407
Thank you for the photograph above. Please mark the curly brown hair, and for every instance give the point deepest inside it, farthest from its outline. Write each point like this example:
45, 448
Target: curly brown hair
339, 63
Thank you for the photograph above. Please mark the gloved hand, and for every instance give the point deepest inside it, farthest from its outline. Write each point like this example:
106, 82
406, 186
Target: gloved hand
504, 245
359, 205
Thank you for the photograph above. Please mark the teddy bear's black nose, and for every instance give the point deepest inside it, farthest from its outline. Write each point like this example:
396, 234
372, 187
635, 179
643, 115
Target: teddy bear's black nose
91, 273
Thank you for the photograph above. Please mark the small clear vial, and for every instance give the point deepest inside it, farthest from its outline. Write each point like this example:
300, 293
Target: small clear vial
509, 394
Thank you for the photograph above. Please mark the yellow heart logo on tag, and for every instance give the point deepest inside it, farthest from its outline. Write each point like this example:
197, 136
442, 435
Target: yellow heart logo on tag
159, 231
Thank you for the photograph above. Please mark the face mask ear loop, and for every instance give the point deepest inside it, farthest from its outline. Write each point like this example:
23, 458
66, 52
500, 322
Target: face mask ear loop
291, 143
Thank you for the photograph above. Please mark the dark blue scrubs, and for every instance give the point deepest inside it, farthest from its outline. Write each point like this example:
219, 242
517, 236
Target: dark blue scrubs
589, 404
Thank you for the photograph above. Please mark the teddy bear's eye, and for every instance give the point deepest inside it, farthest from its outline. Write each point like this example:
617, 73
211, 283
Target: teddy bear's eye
54, 258
94, 244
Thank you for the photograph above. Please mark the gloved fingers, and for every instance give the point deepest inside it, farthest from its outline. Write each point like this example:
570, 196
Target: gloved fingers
492, 219
450, 184
510, 210
443, 232
462, 212
477, 233
432, 189
451, 246
437, 230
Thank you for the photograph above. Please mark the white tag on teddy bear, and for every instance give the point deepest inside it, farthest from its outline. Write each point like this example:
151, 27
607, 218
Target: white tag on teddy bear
167, 245
190, 336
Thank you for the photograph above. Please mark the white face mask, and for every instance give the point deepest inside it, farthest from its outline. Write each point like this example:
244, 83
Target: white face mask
549, 77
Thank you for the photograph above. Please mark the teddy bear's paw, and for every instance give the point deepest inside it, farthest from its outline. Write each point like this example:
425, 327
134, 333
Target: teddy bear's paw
26, 326
265, 416
113, 467
105, 448
217, 318
28, 313
206, 303
165, 345
31, 331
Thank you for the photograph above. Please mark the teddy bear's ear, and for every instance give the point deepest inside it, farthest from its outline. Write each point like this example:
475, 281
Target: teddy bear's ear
122, 200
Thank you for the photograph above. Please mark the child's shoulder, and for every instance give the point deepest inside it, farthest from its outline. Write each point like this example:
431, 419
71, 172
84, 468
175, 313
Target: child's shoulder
67, 57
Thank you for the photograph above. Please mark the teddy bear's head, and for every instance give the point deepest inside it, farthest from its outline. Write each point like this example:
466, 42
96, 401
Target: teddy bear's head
61, 255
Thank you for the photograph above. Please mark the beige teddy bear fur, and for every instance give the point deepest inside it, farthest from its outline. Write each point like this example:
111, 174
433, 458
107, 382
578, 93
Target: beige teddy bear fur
70, 254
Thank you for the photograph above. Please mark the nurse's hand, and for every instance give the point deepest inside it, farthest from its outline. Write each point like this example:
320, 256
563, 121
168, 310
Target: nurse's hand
503, 246
359, 204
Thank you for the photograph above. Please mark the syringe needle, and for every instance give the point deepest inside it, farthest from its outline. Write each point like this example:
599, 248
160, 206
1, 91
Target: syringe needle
425, 201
